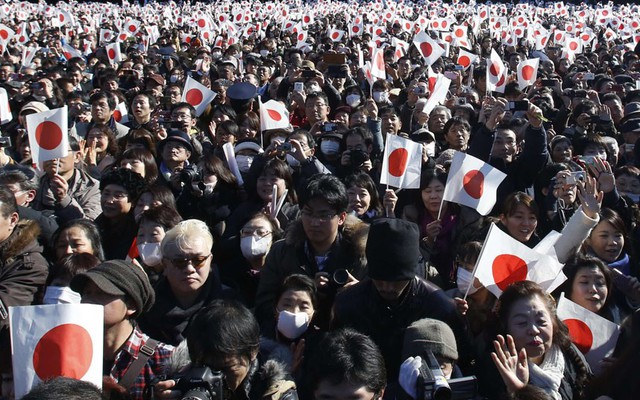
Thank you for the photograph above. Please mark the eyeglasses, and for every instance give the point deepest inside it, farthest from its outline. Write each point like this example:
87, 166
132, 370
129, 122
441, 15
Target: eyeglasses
182, 263
259, 233
324, 217
118, 196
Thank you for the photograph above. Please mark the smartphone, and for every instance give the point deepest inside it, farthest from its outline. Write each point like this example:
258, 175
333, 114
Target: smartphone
308, 73
334, 59
588, 160
589, 76
575, 177
458, 67
548, 82
298, 87
451, 75
329, 127
336, 71
521, 105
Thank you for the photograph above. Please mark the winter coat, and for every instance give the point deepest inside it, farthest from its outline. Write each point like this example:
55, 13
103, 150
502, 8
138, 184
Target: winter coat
292, 255
23, 271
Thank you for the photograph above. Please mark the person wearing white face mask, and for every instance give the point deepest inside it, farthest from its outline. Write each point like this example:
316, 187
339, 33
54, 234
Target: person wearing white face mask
154, 223
380, 93
241, 269
246, 151
57, 290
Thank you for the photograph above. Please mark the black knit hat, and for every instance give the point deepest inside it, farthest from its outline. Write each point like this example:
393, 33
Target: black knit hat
392, 250
119, 278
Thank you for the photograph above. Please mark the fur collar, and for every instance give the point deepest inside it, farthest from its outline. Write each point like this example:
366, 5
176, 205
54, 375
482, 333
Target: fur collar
22, 239
353, 231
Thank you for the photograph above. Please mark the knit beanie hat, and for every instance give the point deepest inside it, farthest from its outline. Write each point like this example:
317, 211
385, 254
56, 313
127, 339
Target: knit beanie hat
119, 278
392, 250
429, 335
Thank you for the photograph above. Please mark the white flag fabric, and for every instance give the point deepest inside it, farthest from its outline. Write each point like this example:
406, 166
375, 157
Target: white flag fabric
70, 52
594, 336
438, 94
504, 260
429, 48
120, 114
495, 72
113, 52
5, 109
527, 72
378, 68
56, 340
196, 94
273, 115
401, 164
473, 183
48, 134
465, 58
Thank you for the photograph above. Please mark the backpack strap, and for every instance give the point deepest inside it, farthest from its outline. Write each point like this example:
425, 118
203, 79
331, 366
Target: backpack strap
146, 351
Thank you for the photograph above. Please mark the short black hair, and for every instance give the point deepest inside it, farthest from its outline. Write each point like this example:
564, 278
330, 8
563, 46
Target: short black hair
63, 388
100, 95
348, 356
299, 283
90, 230
184, 104
328, 188
8, 204
131, 181
225, 327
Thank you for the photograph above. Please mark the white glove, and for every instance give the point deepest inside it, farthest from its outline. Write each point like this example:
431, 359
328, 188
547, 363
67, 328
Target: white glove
409, 371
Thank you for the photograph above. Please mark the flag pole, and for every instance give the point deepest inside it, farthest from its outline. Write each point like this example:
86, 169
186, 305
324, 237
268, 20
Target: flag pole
475, 267
57, 165
386, 210
440, 209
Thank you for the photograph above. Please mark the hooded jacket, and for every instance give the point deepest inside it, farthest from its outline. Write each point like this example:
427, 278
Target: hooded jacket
292, 255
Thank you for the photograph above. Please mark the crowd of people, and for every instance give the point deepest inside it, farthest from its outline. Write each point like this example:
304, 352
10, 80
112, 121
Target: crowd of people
281, 267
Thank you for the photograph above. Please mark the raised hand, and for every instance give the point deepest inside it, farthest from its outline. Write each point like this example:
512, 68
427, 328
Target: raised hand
512, 365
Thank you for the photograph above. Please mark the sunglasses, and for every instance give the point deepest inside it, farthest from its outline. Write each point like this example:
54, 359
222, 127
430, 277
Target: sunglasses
182, 263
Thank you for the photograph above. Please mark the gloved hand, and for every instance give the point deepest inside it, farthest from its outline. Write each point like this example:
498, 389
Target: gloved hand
409, 371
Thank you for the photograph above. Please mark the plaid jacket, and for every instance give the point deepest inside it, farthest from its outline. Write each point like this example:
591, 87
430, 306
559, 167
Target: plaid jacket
129, 352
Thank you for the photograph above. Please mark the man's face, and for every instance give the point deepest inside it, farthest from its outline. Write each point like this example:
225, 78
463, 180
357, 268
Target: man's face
115, 201
5, 72
504, 145
62, 165
174, 94
390, 291
437, 120
328, 390
100, 111
141, 108
23, 197
181, 119
404, 67
321, 222
616, 109
316, 109
188, 266
175, 152
390, 123
7, 225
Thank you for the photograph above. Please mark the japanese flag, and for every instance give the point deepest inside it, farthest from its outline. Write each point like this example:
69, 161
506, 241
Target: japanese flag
113, 52
429, 48
106, 35
378, 69
70, 52
465, 58
56, 340
48, 135
27, 55
336, 35
594, 336
120, 114
473, 183
65, 18
6, 33
460, 36
573, 45
273, 115
496, 72
196, 94
132, 27
5, 109
527, 72
503, 260
401, 164
438, 94
355, 29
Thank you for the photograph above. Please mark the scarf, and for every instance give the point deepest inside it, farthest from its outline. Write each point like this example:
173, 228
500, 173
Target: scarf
548, 375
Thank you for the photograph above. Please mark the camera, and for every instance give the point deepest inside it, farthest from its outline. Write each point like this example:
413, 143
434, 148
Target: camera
284, 147
329, 127
191, 174
460, 101
522, 105
594, 119
339, 277
432, 385
201, 384
358, 157
575, 177
5, 141
420, 90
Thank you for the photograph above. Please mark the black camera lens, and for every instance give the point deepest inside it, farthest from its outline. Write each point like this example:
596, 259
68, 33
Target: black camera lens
340, 277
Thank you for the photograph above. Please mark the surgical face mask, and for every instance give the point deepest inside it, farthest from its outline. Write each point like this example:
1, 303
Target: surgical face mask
174, 78
292, 161
380, 97
253, 247
264, 53
244, 162
464, 281
150, 253
353, 100
329, 147
216, 54
313, 89
634, 197
292, 325
60, 295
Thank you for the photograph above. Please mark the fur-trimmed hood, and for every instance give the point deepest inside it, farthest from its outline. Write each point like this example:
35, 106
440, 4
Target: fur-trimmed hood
353, 231
23, 239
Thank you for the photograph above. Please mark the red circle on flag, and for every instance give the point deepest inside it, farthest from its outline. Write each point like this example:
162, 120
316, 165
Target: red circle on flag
527, 72
194, 97
221, 18
483, 14
61, 17
498, 24
112, 54
573, 45
473, 183
518, 31
436, 24
464, 61
22, 39
132, 28
495, 69
48, 135
426, 49
123, 37
580, 334
106, 35
306, 19
274, 115
501, 80
444, 24
507, 269
586, 37
335, 35
202, 23
117, 115
355, 29
300, 37
57, 352
558, 37
4, 34
398, 160
459, 32
605, 12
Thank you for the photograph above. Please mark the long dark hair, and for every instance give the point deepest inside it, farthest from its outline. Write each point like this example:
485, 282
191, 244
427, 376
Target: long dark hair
571, 269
